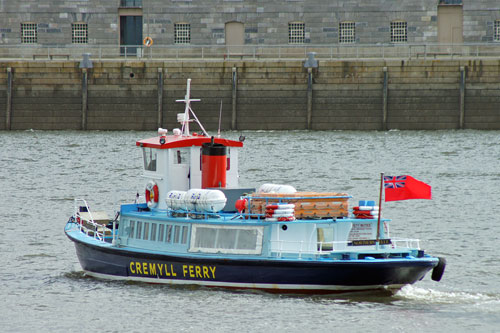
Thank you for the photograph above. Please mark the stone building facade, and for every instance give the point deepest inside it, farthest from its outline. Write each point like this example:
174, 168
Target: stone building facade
249, 22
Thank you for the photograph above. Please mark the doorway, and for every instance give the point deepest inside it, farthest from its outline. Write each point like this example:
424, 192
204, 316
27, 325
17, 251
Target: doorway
450, 24
235, 37
130, 34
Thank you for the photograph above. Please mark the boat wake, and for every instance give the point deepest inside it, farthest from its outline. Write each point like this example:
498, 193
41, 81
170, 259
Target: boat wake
491, 302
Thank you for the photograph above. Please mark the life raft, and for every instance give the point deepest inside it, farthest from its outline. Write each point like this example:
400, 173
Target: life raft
152, 194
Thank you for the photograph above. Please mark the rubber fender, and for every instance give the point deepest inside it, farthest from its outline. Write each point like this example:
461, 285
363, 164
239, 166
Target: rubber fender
438, 271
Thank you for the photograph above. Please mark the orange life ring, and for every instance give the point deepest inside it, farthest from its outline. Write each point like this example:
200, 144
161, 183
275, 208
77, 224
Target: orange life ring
148, 41
152, 194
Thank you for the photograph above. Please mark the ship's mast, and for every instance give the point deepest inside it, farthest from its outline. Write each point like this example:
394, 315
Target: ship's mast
184, 118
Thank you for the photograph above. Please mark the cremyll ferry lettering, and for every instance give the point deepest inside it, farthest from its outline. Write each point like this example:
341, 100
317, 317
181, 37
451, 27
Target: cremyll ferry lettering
169, 270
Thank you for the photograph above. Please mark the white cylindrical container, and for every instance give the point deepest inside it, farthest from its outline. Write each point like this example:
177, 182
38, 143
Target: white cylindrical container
276, 188
176, 200
201, 200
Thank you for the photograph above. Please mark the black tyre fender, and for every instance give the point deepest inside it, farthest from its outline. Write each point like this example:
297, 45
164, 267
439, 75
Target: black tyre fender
438, 271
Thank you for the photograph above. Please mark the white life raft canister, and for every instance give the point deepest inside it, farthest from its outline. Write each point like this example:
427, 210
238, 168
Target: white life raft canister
201, 200
276, 188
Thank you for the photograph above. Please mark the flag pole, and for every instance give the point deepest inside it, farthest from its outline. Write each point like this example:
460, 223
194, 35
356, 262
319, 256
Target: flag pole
380, 207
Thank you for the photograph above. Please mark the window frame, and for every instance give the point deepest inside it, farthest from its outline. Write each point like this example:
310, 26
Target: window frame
79, 33
399, 31
29, 33
496, 31
256, 250
347, 32
296, 33
182, 33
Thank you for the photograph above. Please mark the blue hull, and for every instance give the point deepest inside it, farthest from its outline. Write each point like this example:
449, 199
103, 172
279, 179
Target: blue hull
273, 275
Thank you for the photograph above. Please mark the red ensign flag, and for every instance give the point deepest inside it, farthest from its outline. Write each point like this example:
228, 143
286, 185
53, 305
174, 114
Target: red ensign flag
404, 188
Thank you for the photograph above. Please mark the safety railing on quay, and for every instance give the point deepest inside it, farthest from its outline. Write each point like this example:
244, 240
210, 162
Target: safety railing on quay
251, 52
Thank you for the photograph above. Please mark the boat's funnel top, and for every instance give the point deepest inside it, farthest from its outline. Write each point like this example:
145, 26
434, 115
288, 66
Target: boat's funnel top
213, 165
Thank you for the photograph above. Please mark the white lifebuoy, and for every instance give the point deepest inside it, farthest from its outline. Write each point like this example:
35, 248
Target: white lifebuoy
152, 194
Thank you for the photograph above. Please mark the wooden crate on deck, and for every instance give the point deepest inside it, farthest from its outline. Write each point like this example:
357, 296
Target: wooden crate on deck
307, 204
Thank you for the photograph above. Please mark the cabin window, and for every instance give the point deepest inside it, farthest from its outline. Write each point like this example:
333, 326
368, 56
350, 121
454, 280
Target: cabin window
146, 231
161, 232
131, 230
325, 239
149, 159
139, 230
184, 234
168, 238
153, 231
177, 232
226, 239
181, 156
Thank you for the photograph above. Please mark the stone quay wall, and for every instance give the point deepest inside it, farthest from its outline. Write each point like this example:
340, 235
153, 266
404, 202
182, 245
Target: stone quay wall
254, 95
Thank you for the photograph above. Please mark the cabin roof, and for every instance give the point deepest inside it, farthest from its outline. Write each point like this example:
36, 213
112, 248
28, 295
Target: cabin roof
178, 141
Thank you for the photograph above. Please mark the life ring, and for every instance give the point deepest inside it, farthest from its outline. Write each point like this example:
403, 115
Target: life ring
152, 194
148, 41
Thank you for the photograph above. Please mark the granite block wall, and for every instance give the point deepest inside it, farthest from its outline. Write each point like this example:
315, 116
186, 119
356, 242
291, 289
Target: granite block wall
265, 22
266, 95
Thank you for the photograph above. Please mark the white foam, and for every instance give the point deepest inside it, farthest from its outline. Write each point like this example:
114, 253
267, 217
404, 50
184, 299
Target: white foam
449, 297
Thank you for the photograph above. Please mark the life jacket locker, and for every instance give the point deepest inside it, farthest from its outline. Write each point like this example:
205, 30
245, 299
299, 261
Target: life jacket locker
213, 165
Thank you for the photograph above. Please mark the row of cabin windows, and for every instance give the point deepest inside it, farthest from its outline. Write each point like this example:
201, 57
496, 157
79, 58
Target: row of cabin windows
296, 32
159, 232
79, 33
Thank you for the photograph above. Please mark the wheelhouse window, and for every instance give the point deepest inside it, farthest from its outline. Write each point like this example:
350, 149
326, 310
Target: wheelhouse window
149, 159
347, 32
29, 33
79, 33
399, 32
182, 33
181, 156
226, 239
496, 32
296, 32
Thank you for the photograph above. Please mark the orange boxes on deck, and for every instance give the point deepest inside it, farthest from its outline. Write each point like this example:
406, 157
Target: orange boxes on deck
313, 205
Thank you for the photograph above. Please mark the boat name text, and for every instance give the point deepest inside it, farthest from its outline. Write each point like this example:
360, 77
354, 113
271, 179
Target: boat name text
169, 270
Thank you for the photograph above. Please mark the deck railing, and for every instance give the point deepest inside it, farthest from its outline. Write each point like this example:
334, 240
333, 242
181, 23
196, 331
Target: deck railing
251, 52
88, 225
300, 248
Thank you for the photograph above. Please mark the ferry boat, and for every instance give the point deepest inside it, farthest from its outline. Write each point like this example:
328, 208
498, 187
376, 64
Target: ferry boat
197, 226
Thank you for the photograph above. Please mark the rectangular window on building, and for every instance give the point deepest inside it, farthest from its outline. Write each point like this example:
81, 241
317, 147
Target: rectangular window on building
347, 32
399, 32
296, 32
496, 31
79, 33
131, 3
29, 33
182, 33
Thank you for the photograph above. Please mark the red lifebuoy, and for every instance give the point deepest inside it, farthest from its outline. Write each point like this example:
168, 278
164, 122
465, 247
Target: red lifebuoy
152, 194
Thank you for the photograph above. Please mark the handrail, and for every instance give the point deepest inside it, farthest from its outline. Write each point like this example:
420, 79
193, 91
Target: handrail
277, 246
252, 52
99, 231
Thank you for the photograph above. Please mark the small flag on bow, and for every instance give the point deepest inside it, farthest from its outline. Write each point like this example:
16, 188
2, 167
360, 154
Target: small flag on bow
404, 188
